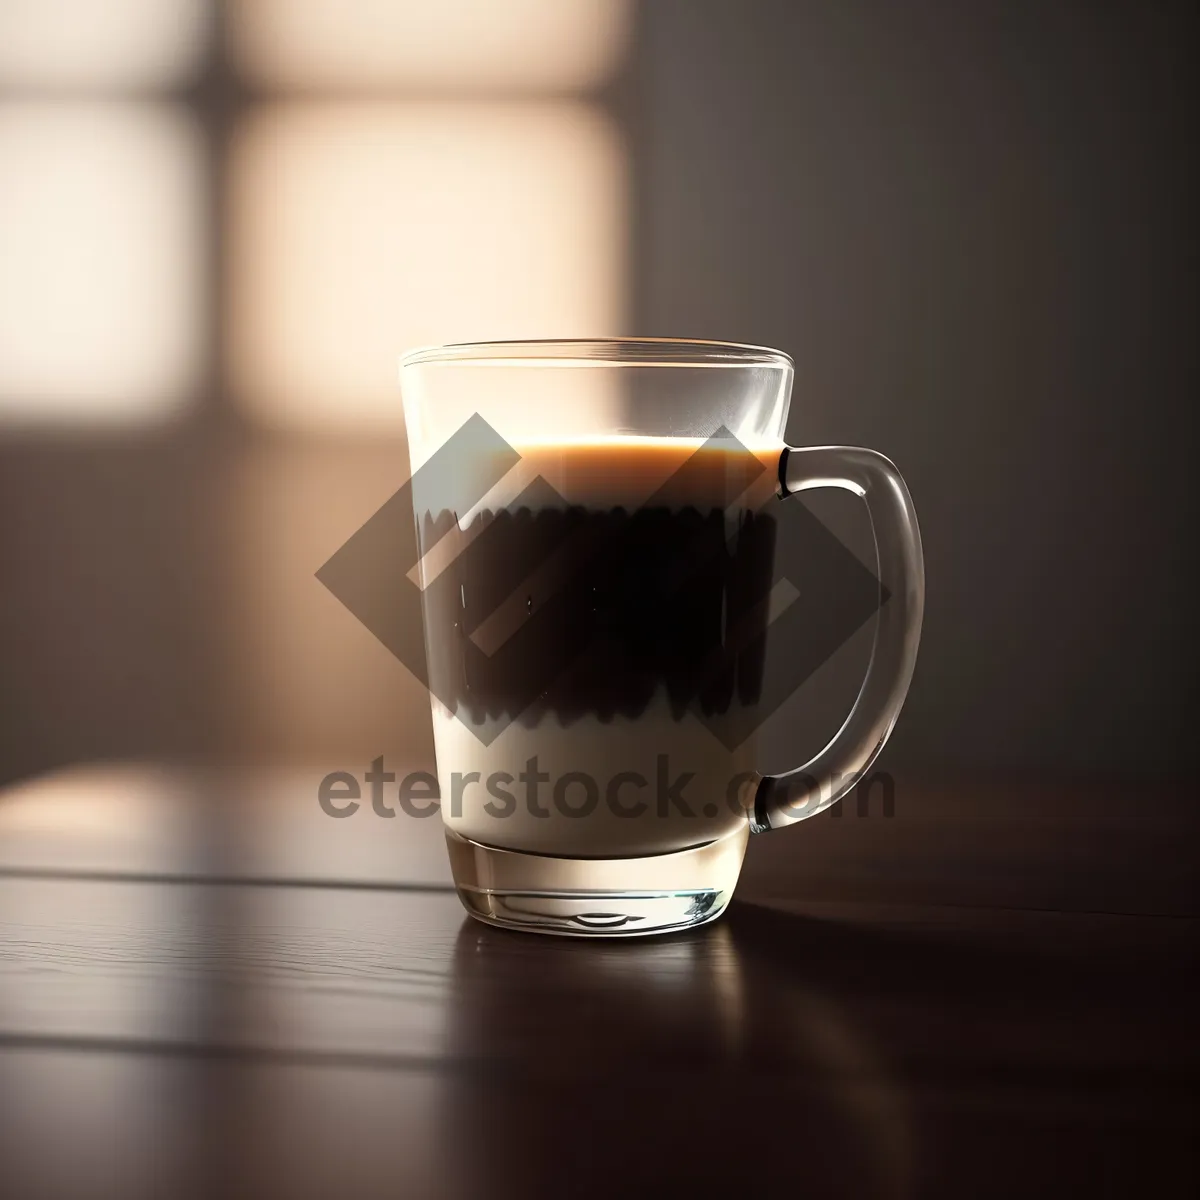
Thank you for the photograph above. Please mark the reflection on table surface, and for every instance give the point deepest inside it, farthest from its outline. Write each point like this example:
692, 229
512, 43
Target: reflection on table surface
209, 987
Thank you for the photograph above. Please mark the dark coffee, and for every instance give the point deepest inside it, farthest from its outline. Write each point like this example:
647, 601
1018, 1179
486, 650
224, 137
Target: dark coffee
585, 631
568, 604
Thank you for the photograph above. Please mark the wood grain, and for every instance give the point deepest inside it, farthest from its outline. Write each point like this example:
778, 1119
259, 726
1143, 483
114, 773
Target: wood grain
198, 1003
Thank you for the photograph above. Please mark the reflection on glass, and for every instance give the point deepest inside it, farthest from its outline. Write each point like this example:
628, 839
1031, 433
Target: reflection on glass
517, 44
114, 44
101, 294
359, 232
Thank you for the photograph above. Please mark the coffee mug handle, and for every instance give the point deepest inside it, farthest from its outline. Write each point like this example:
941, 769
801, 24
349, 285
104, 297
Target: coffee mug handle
785, 799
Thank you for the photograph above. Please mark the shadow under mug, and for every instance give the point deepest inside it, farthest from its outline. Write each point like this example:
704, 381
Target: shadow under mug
596, 529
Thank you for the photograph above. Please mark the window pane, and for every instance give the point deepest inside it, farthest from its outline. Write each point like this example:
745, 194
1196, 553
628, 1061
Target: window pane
530, 44
100, 240
360, 232
101, 43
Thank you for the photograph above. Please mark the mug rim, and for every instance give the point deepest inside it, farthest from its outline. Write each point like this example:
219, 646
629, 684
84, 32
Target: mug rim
609, 351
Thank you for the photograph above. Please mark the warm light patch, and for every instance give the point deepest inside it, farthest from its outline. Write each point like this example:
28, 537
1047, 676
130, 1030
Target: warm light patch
101, 263
116, 803
547, 45
360, 232
122, 44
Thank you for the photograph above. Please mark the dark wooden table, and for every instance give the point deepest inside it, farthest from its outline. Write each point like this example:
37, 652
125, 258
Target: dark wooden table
209, 988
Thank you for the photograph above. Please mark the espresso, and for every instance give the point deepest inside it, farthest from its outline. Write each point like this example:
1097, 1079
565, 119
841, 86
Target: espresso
598, 615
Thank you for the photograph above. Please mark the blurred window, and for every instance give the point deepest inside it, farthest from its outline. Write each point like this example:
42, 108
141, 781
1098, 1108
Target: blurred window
114, 45
100, 291
415, 173
102, 192
433, 45
405, 225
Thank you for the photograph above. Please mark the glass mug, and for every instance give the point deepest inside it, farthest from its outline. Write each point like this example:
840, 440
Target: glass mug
596, 522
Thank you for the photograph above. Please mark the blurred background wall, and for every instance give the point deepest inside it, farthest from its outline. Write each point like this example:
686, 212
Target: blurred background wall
972, 225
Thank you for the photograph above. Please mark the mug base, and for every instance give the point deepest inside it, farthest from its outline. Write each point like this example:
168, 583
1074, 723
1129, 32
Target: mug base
597, 897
